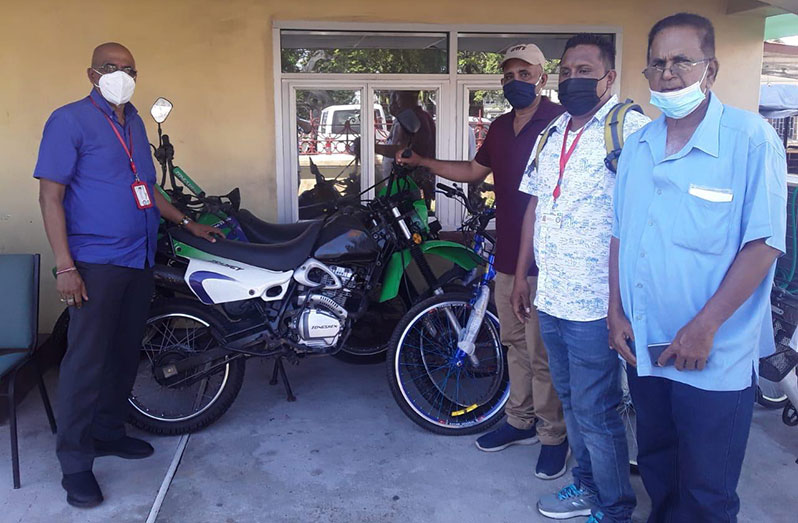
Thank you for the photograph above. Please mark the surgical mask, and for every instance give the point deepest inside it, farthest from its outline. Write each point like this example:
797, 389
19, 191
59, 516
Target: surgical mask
520, 94
116, 87
678, 104
578, 95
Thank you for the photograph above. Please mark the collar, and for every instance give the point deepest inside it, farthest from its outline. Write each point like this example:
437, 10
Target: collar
706, 137
105, 107
600, 115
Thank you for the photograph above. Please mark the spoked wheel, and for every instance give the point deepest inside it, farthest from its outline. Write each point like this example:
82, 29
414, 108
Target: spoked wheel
770, 395
438, 387
627, 411
170, 399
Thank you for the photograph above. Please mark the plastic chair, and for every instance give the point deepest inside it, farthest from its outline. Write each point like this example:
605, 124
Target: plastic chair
19, 317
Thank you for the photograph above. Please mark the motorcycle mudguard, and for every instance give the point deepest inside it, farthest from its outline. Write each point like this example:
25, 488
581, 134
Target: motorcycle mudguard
454, 252
215, 281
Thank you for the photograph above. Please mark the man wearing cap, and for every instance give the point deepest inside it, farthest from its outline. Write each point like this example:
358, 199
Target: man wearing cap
533, 409
569, 216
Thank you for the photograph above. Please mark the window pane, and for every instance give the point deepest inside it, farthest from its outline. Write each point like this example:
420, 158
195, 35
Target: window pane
390, 137
481, 53
363, 52
328, 132
484, 106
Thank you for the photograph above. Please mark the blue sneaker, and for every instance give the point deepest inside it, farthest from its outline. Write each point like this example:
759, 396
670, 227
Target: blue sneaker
569, 502
505, 436
553, 460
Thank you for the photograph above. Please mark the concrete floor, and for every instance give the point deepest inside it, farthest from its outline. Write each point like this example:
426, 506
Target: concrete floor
343, 452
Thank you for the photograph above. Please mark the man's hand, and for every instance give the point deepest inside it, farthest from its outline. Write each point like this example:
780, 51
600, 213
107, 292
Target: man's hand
413, 160
71, 288
690, 347
620, 334
519, 299
204, 231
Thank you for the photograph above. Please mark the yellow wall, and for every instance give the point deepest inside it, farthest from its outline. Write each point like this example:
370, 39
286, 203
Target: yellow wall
213, 59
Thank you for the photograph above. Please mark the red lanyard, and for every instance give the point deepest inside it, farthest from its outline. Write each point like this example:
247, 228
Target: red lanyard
128, 148
566, 155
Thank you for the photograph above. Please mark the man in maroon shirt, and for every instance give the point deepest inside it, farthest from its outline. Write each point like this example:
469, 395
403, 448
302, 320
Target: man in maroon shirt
533, 409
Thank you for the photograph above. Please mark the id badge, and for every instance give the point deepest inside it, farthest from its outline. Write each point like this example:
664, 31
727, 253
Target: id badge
552, 219
142, 195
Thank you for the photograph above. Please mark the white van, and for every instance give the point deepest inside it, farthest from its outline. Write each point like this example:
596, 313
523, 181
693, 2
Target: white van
339, 120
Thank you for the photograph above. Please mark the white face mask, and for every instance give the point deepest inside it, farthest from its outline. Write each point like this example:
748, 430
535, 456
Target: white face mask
116, 87
678, 104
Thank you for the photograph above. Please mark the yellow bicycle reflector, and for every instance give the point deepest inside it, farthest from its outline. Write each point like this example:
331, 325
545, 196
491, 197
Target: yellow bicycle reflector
416, 238
465, 410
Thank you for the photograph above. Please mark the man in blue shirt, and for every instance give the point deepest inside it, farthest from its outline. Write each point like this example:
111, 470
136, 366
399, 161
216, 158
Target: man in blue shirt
700, 216
101, 215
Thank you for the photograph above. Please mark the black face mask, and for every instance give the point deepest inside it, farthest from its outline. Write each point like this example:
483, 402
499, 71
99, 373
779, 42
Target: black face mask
578, 95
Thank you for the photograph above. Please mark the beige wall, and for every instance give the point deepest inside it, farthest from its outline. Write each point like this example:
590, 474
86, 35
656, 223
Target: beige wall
213, 59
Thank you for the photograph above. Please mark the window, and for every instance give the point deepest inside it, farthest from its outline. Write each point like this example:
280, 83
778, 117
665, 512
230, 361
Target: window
361, 52
334, 102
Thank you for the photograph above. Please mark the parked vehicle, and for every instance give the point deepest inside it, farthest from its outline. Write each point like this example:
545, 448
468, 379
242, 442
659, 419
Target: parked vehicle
283, 301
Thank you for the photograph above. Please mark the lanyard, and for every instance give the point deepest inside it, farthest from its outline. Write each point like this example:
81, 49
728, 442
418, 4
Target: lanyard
128, 148
566, 155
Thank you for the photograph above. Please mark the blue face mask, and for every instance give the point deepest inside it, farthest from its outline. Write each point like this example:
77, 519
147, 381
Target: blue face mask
678, 104
520, 94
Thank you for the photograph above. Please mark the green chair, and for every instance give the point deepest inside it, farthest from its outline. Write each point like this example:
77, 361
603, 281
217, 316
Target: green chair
19, 321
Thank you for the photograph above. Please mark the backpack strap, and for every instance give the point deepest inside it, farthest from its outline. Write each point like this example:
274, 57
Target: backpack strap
613, 131
544, 137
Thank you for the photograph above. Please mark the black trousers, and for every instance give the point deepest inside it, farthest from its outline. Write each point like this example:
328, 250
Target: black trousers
101, 361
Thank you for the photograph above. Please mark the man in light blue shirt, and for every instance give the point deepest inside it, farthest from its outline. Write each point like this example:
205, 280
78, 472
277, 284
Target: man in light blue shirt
700, 216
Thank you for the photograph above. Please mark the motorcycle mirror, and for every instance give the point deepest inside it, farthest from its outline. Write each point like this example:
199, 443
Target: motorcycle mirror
161, 109
409, 121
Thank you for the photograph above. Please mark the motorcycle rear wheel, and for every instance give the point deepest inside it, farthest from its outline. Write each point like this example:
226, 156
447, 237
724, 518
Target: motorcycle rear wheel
434, 388
177, 329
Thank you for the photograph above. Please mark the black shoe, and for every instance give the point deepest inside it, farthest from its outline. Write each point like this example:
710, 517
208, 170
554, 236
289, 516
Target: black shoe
124, 447
82, 489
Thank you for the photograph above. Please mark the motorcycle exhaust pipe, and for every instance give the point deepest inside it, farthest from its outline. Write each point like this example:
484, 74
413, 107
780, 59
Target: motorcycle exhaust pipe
170, 278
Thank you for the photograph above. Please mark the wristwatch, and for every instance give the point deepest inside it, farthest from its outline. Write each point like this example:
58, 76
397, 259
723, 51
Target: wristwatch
185, 220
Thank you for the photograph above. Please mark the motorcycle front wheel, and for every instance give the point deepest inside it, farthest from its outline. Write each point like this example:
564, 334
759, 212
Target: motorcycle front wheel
181, 404
435, 385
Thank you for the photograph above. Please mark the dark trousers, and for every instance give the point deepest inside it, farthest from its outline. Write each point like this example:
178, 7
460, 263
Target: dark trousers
101, 361
691, 444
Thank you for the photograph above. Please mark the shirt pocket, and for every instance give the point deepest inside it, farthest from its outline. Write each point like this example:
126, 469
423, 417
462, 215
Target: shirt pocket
702, 225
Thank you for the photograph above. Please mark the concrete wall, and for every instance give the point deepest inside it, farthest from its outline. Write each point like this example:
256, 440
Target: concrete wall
214, 60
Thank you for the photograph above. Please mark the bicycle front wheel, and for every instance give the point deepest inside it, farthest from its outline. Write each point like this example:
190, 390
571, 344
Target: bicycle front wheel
439, 387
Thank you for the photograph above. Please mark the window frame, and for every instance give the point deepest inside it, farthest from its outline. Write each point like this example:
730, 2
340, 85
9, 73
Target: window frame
450, 137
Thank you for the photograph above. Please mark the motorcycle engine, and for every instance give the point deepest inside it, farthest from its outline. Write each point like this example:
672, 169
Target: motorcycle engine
319, 328
323, 318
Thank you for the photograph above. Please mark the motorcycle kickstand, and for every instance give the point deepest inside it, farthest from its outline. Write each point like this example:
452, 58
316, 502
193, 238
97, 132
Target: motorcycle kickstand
280, 367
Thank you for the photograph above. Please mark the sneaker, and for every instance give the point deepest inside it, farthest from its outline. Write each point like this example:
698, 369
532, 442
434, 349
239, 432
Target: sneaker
569, 502
505, 436
125, 447
595, 518
553, 460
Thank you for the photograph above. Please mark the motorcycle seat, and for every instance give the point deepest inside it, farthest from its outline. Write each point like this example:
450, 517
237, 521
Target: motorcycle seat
276, 256
259, 231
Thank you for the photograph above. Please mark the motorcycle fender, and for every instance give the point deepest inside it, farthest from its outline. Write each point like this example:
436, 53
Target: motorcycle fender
454, 252
215, 281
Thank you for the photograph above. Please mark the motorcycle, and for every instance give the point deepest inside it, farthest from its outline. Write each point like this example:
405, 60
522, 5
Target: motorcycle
284, 301
781, 367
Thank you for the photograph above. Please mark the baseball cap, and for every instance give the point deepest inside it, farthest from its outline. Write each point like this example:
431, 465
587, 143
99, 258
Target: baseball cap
529, 53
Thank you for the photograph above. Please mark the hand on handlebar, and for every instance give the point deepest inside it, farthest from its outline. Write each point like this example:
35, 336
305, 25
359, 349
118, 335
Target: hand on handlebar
411, 161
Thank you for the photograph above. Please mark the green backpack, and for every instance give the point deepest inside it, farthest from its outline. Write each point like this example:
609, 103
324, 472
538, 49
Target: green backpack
613, 133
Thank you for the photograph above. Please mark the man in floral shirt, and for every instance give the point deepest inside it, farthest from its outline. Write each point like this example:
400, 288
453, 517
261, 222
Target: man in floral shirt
570, 217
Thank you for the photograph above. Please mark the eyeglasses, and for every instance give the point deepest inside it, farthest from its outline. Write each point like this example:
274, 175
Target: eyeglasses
112, 68
678, 68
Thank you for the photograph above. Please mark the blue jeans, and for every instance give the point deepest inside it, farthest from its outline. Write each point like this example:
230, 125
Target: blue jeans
691, 444
585, 373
